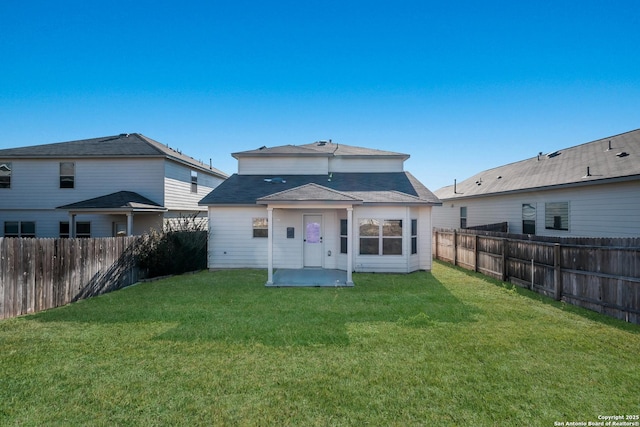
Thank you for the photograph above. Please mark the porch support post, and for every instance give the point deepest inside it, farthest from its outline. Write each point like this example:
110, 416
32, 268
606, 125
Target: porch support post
130, 224
72, 225
270, 246
350, 245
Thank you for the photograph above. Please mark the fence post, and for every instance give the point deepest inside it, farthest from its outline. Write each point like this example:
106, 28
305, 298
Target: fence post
557, 274
505, 248
475, 253
435, 239
455, 248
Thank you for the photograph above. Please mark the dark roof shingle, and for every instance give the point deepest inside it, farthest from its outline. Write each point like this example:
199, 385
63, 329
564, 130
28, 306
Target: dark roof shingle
391, 187
591, 162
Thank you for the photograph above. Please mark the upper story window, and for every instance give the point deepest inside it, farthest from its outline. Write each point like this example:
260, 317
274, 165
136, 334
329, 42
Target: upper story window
194, 181
67, 174
5, 174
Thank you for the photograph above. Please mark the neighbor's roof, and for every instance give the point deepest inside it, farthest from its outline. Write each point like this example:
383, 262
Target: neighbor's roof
122, 200
372, 188
318, 149
124, 145
613, 158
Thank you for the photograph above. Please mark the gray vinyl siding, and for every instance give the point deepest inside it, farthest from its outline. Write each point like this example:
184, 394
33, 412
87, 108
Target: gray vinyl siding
35, 184
352, 165
231, 241
283, 166
605, 210
177, 183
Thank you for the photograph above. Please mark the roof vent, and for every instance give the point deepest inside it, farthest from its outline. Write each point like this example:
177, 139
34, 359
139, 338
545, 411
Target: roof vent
609, 149
552, 155
262, 148
124, 135
622, 154
322, 143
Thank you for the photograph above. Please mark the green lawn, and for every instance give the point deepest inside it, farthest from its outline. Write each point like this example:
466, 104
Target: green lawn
441, 348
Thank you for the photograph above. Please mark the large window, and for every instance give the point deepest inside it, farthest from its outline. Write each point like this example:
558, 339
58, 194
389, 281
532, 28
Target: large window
67, 174
19, 229
260, 227
556, 216
528, 218
380, 237
5, 174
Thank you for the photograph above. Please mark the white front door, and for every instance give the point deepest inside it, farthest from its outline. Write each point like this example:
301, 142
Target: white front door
312, 241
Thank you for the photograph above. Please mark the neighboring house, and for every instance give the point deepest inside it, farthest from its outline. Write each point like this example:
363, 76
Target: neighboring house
590, 190
116, 185
321, 205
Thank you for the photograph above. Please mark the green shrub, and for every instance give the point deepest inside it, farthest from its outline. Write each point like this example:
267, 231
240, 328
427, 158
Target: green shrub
181, 247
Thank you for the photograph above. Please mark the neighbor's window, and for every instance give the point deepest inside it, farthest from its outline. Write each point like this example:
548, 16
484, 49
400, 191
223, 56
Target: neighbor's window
83, 229
5, 175
380, 237
556, 216
343, 236
194, 181
414, 236
64, 229
260, 227
67, 174
528, 218
19, 229
463, 217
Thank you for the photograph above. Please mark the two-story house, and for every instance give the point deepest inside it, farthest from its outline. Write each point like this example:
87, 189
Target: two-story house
116, 185
320, 206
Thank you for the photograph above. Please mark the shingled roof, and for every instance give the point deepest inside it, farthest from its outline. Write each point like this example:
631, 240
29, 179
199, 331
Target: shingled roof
126, 145
603, 160
318, 149
121, 200
369, 188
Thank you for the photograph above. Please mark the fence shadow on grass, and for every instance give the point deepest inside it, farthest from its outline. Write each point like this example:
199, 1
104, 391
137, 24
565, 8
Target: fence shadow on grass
206, 309
560, 305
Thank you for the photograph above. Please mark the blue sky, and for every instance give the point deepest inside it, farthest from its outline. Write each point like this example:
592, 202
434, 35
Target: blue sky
461, 86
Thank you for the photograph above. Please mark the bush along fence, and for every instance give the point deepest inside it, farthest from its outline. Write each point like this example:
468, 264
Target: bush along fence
38, 274
598, 274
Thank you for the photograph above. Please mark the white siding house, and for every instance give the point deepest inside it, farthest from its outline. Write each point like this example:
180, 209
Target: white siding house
297, 207
590, 190
123, 184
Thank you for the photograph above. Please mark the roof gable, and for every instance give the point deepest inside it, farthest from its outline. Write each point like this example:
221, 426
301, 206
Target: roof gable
615, 157
310, 192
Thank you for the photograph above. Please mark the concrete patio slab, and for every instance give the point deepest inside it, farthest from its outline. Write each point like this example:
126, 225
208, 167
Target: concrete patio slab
309, 277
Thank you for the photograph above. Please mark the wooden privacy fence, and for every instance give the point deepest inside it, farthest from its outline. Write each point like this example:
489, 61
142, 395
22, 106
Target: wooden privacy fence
598, 274
38, 274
